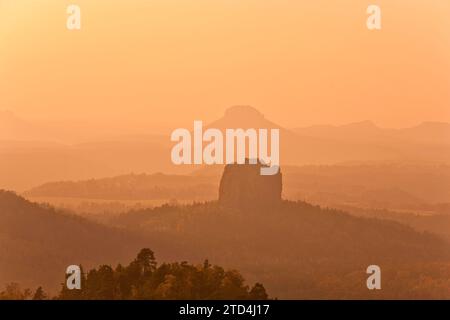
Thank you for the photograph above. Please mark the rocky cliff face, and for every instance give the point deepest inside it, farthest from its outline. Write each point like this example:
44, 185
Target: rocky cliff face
242, 186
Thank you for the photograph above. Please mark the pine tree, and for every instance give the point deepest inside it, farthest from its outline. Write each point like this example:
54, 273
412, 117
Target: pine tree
258, 292
39, 294
146, 260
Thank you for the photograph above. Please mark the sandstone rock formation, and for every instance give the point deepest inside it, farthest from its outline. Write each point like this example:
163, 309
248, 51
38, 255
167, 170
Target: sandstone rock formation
243, 187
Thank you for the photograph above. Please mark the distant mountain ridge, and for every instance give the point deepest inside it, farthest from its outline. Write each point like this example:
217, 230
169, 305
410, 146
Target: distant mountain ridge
392, 186
14, 128
24, 165
425, 132
132, 187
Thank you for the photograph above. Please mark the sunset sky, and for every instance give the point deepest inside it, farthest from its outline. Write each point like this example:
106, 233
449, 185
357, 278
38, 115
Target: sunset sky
165, 63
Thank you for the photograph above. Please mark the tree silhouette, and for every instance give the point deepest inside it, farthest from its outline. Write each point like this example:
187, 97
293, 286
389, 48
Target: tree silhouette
39, 294
258, 292
143, 279
146, 260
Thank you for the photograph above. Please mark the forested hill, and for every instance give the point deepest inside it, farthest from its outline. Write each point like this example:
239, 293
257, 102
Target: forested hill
37, 243
297, 250
304, 251
132, 187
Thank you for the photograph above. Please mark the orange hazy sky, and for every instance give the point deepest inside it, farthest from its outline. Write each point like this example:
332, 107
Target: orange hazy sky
166, 62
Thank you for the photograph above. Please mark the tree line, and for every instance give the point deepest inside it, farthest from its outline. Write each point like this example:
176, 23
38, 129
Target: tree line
143, 278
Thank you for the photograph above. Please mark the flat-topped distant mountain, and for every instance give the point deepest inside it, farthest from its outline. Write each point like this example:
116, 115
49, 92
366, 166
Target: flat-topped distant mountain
242, 117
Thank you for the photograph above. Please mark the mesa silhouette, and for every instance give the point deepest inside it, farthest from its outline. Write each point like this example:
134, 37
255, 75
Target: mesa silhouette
242, 186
